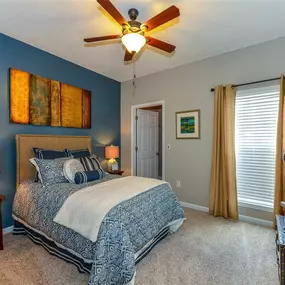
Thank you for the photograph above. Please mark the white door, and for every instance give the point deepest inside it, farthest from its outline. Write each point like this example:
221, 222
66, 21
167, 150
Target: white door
147, 143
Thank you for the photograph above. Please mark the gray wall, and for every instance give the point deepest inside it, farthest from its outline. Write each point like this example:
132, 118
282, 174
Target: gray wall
186, 88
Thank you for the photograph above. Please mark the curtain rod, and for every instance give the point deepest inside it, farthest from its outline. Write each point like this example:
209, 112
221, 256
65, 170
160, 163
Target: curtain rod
254, 82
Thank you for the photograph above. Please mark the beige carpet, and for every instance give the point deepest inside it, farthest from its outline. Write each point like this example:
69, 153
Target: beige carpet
204, 251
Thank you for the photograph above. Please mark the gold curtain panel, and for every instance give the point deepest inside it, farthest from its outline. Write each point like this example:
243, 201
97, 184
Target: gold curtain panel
223, 188
36, 100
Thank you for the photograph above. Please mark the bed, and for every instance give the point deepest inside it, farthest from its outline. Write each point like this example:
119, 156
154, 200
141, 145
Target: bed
127, 232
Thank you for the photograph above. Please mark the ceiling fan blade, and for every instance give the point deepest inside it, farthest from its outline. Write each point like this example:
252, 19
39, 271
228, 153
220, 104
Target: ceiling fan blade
167, 15
160, 44
98, 39
128, 56
112, 10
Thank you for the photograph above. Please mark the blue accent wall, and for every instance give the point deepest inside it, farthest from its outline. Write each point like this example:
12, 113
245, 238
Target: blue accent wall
105, 107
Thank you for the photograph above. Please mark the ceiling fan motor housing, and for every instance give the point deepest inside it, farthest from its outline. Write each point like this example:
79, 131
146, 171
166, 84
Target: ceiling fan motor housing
134, 26
133, 13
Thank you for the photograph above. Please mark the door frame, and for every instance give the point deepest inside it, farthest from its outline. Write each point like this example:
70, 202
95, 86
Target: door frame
133, 132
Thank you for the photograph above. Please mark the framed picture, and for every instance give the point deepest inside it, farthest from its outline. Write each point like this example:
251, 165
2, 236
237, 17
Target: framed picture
188, 124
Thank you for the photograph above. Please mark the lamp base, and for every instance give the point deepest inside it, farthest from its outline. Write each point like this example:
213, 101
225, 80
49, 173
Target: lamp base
112, 165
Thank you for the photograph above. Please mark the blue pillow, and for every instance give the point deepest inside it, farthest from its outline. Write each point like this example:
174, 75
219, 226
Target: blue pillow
41, 153
50, 170
77, 153
49, 153
87, 176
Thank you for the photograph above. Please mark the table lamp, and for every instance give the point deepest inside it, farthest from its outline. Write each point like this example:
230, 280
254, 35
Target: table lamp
112, 152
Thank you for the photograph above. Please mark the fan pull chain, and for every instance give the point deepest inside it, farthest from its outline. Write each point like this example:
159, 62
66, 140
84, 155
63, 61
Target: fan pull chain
134, 78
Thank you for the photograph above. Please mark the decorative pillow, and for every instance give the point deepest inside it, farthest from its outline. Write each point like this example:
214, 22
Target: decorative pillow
36, 178
91, 163
77, 153
87, 176
70, 167
50, 170
49, 153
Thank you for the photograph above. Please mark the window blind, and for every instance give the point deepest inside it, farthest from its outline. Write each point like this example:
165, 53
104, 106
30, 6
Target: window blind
255, 139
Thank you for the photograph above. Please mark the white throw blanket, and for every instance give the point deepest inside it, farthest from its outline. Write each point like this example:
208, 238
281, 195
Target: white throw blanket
85, 210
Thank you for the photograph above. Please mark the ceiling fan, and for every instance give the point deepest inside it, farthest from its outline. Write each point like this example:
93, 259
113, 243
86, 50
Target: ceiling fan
133, 32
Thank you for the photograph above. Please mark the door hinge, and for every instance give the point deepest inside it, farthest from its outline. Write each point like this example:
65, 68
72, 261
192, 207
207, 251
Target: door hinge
137, 118
136, 148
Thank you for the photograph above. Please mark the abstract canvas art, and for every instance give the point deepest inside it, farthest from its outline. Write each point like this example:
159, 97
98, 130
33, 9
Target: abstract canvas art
36, 100
188, 124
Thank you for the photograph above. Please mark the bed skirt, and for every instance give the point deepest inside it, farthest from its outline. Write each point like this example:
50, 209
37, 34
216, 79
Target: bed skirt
66, 255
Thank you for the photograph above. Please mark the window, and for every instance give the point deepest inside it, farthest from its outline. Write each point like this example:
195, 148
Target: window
256, 127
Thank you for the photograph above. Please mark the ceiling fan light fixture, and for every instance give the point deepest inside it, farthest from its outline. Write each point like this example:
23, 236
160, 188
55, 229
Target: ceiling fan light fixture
133, 42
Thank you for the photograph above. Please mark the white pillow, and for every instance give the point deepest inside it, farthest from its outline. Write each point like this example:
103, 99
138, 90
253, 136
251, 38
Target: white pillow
70, 167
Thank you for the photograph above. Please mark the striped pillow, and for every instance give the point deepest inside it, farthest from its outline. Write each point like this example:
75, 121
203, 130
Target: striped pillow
77, 153
87, 176
91, 163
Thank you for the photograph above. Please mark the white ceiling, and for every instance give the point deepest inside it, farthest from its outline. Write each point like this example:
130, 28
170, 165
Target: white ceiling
205, 29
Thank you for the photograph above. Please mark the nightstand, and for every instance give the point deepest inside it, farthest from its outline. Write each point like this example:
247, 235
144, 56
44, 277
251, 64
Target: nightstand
2, 198
118, 172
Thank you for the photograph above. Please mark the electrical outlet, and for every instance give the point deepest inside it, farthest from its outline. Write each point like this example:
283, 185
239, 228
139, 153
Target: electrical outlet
178, 183
168, 146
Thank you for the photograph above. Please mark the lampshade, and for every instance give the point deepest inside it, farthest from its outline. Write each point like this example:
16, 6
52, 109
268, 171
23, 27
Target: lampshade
133, 42
112, 151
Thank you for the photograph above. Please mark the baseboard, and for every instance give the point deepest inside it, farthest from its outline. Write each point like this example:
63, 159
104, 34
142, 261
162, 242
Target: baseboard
8, 230
194, 207
255, 221
242, 218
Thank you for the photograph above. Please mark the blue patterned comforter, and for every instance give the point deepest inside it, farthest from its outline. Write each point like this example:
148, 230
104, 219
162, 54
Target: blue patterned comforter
125, 230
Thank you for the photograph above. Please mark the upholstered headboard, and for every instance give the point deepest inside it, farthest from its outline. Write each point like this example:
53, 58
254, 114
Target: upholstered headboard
25, 144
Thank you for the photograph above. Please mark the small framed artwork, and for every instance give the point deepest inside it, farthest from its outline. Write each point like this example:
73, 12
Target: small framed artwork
188, 124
